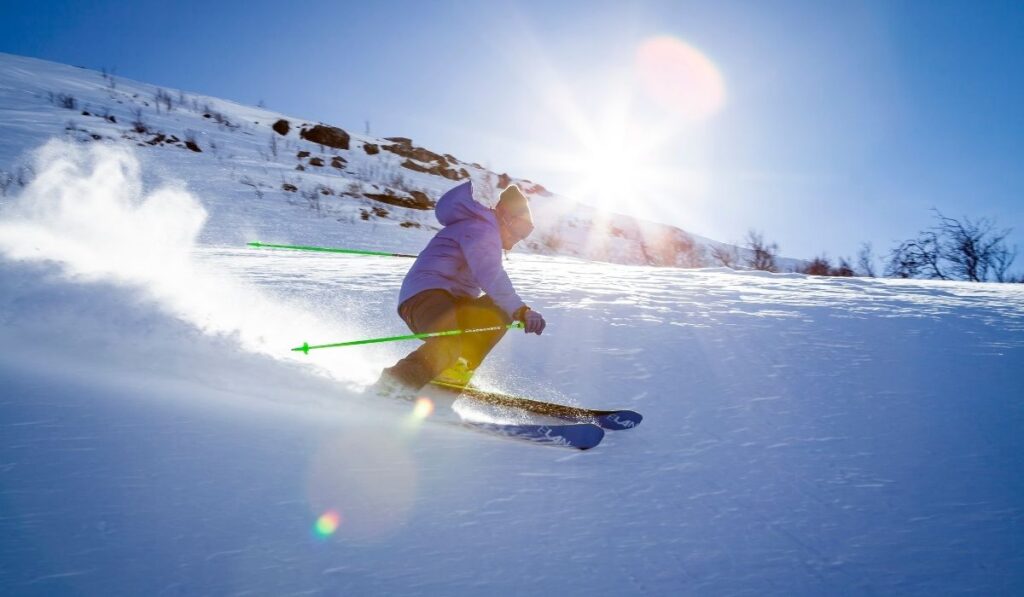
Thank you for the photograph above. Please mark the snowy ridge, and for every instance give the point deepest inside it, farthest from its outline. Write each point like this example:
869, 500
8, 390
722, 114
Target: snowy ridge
247, 176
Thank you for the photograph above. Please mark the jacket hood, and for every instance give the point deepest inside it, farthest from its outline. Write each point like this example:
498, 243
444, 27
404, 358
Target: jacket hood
458, 204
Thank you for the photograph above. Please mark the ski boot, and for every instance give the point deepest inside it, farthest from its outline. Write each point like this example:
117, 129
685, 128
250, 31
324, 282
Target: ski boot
458, 375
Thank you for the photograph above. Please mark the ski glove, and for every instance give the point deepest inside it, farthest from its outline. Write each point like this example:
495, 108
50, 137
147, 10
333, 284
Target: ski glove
534, 322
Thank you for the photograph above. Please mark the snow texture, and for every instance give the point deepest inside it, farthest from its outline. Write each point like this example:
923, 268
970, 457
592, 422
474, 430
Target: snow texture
802, 436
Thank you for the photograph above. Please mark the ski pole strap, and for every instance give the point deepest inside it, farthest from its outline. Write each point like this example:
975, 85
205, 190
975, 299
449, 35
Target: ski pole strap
305, 348
260, 245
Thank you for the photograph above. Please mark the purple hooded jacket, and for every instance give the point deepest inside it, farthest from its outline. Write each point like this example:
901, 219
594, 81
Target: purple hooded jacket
464, 257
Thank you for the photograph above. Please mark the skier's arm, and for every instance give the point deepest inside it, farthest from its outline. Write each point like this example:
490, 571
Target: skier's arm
483, 255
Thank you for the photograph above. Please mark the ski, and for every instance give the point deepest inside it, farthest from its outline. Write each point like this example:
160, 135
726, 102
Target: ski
581, 436
608, 419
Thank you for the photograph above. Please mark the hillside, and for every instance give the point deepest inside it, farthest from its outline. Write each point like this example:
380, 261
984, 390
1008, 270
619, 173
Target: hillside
304, 182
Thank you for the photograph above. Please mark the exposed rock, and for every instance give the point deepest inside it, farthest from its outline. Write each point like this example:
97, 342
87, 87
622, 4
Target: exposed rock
371, 149
411, 165
416, 153
438, 170
338, 162
289, 187
400, 140
331, 136
504, 180
409, 224
301, 168
419, 201
316, 162
421, 198
281, 127
302, 154
192, 145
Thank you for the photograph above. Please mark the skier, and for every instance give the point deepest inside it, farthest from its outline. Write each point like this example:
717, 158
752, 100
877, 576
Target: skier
458, 282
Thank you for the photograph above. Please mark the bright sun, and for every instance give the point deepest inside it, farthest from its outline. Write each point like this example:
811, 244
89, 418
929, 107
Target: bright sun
617, 151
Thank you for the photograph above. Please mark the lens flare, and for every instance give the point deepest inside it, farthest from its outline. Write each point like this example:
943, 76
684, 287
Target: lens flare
366, 476
680, 77
423, 408
327, 524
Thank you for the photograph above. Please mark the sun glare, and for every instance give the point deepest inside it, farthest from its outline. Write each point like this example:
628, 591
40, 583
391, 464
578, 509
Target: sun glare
680, 78
621, 148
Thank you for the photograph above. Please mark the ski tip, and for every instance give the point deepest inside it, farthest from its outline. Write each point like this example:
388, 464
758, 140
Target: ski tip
585, 436
620, 419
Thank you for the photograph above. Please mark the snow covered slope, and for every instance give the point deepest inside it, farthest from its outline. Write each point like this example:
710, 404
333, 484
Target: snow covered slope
803, 436
306, 183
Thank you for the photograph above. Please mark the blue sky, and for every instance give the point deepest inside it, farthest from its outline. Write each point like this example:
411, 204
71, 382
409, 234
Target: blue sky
841, 122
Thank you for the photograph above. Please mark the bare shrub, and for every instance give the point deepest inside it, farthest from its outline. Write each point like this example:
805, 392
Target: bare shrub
63, 100
108, 76
819, 266
725, 255
952, 249
163, 98
866, 260
138, 124
762, 254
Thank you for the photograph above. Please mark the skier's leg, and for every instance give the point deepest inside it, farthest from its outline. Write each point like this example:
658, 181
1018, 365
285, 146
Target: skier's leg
480, 313
428, 311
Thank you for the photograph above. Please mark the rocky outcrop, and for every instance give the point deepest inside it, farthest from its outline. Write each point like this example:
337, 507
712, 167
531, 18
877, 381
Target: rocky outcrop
331, 136
414, 200
281, 127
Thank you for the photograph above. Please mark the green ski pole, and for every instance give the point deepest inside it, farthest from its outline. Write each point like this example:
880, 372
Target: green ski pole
305, 348
260, 245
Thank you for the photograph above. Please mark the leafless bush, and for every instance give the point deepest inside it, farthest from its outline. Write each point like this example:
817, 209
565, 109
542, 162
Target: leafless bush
974, 248
162, 97
915, 258
138, 124
819, 266
108, 76
762, 254
63, 100
866, 261
725, 255
273, 145
843, 269
952, 249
